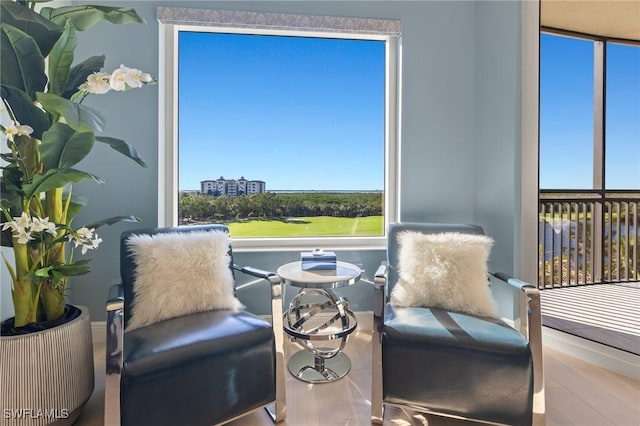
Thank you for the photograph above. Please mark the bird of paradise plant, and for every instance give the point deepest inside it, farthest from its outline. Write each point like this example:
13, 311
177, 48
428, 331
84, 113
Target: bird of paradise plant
48, 132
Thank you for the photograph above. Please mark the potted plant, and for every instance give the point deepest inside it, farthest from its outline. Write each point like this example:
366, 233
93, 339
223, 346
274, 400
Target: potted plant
48, 131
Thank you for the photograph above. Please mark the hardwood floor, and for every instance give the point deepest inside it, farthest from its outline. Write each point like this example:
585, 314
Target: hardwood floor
577, 393
604, 313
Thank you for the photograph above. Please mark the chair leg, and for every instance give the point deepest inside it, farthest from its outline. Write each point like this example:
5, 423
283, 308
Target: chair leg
114, 362
280, 406
377, 408
534, 322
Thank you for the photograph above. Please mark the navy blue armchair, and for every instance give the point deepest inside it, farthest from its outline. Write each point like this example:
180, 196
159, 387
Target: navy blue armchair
433, 360
203, 368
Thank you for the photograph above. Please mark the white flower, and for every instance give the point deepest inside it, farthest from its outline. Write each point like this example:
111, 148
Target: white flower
117, 80
22, 222
85, 238
40, 225
20, 228
84, 233
23, 236
124, 78
97, 83
91, 245
17, 130
7, 225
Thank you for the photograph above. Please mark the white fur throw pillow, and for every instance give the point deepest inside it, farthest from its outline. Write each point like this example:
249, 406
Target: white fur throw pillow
179, 273
445, 270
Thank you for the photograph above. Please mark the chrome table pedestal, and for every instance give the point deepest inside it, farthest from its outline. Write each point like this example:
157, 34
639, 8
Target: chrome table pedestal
319, 320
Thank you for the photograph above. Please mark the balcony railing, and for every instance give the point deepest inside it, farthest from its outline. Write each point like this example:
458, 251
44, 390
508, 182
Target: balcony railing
588, 237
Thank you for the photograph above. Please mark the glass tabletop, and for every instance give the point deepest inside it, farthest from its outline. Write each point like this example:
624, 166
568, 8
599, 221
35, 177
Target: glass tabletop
345, 274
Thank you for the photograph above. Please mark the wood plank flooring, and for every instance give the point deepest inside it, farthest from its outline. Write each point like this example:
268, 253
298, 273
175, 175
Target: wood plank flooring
604, 313
577, 393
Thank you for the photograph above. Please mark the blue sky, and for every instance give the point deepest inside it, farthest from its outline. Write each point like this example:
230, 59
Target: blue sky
297, 113
305, 113
566, 114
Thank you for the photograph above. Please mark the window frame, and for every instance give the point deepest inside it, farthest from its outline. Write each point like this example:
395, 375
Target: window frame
174, 20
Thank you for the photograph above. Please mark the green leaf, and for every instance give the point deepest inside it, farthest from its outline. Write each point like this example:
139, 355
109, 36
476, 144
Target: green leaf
7, 157
75, 205
56, 278
84, 17
22, 62
123, 148
29, 153
80, 72
12, 272
60, 60
62, 147
11, 182
42, 272
112, 220
78, 117
56, 178
43, 31
25, 110
6, 239
79, 267
11, 196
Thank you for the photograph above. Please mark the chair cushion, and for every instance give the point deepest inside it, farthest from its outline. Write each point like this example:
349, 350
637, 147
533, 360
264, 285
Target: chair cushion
456, 364
179, 273
396, 229
445, 270
198, 369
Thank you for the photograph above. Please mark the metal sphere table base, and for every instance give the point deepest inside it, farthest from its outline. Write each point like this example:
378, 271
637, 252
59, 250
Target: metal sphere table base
303, 322
312, 369
317, 319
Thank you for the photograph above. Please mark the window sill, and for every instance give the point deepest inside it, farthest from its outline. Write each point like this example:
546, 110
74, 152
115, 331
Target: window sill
298, 244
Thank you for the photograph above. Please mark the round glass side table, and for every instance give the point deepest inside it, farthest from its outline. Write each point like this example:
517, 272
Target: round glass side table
319, 320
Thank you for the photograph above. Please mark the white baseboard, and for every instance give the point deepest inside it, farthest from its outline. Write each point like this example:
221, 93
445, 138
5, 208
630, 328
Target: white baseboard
612, 359
98, 331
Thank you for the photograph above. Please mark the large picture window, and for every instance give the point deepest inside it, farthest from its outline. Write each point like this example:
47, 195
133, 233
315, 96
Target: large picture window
287, 134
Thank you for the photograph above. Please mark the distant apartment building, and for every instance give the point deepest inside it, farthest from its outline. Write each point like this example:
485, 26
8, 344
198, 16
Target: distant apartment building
232, 187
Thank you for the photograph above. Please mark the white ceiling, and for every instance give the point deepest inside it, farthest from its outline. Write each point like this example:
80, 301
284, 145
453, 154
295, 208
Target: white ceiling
610, 18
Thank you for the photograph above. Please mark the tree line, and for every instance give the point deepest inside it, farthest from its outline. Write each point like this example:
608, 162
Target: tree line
195, 207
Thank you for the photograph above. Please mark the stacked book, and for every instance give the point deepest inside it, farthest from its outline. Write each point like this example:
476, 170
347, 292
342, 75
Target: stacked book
318, 260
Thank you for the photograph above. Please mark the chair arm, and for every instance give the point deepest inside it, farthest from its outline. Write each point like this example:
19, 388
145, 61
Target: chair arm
514, 282
279, 411
531, 329
529, 317
114, 354
380, 277
379, 285
258, 273
115, 297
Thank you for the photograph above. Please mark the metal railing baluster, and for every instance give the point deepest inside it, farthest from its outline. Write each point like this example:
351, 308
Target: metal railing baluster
597, 241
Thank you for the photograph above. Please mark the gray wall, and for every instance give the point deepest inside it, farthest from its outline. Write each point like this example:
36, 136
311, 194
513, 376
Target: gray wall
6, 303
497, 135
460, 129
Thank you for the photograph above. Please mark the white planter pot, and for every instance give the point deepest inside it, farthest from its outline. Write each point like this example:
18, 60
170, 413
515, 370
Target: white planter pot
46, 377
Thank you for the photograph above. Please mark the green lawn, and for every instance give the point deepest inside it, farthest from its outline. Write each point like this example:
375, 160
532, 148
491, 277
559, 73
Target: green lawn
324, 226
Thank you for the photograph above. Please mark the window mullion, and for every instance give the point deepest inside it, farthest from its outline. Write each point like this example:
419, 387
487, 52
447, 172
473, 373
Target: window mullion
599, 51
598, 114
